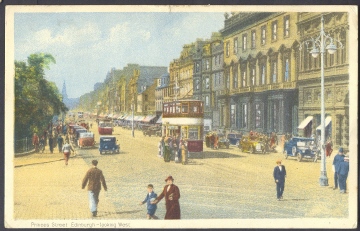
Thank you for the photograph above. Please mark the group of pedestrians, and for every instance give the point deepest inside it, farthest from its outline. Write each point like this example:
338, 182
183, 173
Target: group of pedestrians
171, 147
94, 179
341, 170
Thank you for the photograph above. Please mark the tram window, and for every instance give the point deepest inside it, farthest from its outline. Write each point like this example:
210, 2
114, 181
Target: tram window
184, 108
195, 109
178, 107
193, 133
171, 110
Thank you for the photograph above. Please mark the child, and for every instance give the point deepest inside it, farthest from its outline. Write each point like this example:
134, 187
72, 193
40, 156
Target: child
151, 208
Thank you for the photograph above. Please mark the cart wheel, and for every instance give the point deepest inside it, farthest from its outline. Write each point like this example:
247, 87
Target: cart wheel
252, 151
299, 157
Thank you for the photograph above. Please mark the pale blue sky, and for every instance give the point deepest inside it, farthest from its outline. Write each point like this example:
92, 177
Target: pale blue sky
87, 45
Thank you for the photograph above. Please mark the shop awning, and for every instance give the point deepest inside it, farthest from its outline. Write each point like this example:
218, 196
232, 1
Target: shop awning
139, 118
305, 122
159, 121
148, 118
327, 122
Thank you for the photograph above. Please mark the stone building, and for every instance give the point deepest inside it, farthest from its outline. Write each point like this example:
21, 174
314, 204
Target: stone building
161, 92
260, 51
336, 77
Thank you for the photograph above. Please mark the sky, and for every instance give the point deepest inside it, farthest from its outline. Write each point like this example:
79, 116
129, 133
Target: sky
87, 45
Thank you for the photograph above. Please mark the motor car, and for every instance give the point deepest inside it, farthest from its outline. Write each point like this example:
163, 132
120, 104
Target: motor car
86, 139
301, 148
234, 138
108, 144
252, 145
77, 135
105, 128
152, 131
223, 141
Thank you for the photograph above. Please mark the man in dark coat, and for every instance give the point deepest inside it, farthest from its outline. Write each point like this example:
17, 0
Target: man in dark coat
336, 162
279, 177
172, 195
343, 171
95, 178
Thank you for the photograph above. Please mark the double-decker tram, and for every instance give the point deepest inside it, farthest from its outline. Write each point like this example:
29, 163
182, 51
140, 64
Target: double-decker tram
186, 119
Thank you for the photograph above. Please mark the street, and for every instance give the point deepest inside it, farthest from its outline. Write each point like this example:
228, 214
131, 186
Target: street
219, 184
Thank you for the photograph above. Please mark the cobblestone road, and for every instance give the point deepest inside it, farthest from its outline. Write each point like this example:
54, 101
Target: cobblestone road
225, 184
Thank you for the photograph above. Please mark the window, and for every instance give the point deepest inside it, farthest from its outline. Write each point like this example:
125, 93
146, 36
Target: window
243, 78
197, 67
263, 74
193, 133
258, 115
244, 115
274, 30
207, 83
197, 84
227, 80
263, 35
227, 49
235, 78
274, 72
215, 60
287, 26
184, 108
207, 100
207, 64
244, 42
233, 114
253, 39
235, 45
287, 69
253, 75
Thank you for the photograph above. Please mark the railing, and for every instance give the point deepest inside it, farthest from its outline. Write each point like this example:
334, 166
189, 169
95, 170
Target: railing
23, 145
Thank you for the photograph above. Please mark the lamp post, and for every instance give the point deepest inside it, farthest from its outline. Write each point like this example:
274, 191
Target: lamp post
318, 45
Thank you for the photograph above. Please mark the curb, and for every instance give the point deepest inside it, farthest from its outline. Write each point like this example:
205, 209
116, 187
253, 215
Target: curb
24, 153
46, 162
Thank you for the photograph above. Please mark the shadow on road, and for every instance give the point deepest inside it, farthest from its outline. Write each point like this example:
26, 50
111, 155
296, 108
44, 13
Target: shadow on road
119, 213
205, 155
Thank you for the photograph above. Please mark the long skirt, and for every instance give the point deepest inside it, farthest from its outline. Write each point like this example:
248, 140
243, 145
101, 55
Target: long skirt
167, 154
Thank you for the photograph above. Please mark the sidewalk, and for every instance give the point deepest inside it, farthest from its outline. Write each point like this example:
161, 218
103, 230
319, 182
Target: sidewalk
53, 190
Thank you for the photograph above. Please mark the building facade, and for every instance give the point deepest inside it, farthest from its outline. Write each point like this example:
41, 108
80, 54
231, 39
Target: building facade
336, 77
260, 51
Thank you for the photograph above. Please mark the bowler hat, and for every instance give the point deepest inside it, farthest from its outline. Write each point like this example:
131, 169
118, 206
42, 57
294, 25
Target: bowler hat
169, 178
341, 150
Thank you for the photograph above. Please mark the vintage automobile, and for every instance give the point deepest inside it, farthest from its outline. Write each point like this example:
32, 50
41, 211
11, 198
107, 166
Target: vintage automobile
234, 138
301, 148
86, 139
223, 141
252, 145
108, 144
77, 134
105, 127
152, 131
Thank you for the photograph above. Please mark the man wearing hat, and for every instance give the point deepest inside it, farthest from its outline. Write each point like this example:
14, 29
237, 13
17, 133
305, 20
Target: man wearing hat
336, 162
95, 178
279, 177
343, 171
172, 195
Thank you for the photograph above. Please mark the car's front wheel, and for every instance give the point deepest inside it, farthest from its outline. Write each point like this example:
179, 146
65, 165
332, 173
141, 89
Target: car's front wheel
299, 157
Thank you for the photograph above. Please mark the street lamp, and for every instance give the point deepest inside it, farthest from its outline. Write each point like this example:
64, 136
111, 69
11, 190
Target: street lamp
318, 45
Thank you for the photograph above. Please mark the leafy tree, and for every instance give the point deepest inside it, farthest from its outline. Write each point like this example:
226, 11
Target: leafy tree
36, 99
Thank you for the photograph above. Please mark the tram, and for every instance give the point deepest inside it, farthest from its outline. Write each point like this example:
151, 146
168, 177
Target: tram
185, 118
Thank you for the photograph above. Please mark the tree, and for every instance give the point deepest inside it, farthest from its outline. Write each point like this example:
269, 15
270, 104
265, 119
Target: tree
36, 99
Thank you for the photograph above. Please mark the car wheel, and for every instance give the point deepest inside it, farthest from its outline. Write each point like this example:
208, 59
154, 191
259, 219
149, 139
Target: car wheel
299, 157
285, 154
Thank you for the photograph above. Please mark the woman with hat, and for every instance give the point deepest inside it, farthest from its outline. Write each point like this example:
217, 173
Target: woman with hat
172, 195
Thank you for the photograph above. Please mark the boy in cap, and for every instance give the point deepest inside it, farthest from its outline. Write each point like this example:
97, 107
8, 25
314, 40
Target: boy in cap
150, 197
336, 162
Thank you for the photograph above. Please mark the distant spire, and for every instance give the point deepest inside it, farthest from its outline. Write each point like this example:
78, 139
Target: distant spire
63, 92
